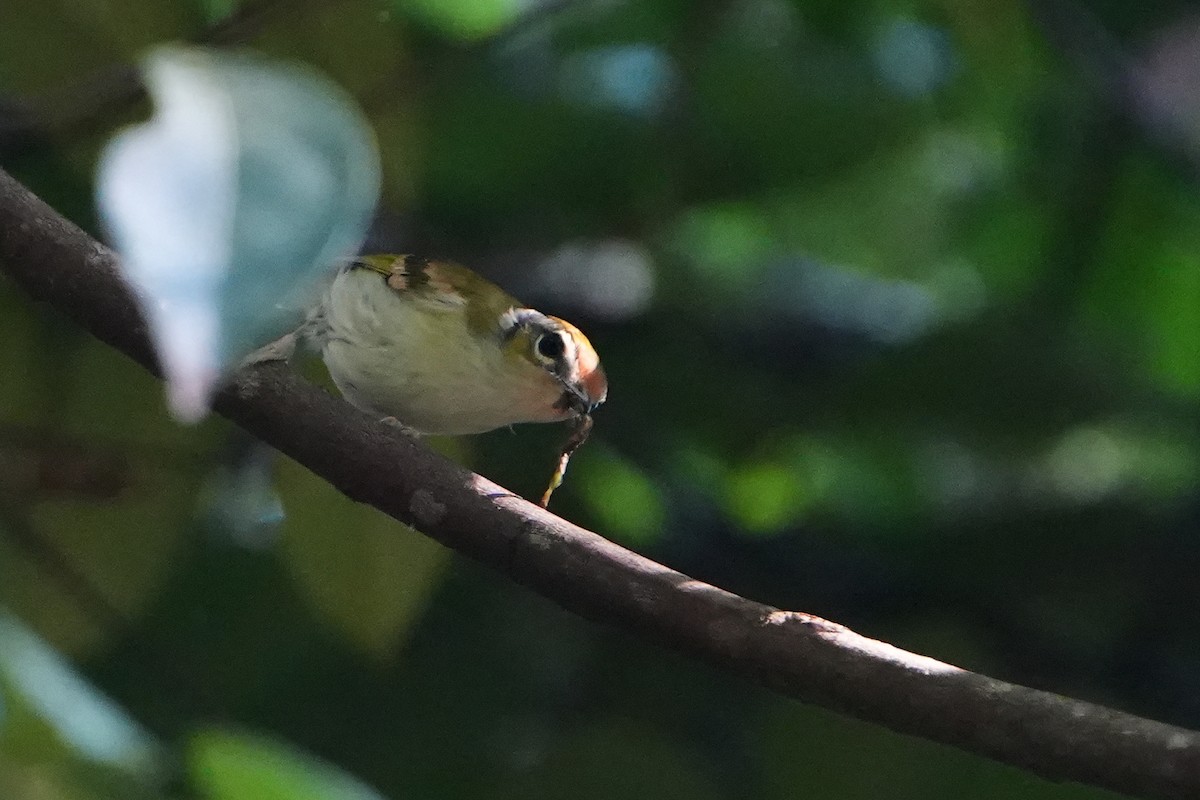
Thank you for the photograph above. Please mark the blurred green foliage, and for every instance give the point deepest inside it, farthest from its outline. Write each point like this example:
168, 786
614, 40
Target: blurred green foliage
898, 303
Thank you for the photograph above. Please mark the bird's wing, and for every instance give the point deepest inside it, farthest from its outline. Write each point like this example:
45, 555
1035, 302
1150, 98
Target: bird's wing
442, 286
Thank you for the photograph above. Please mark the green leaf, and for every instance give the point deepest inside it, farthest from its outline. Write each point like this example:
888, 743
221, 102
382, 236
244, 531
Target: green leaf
364, 573
237, 766
217, 10
764, 497
622, 497
464, 19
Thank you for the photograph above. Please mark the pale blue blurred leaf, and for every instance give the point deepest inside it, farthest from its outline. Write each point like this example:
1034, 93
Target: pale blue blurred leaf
637, 79
240, 498
234, 766
35, 675
231, 203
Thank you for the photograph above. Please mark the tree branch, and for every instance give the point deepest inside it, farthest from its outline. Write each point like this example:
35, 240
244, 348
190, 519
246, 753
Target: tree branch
795, 654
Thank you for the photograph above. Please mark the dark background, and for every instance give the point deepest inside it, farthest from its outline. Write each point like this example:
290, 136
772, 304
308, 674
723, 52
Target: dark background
898, 302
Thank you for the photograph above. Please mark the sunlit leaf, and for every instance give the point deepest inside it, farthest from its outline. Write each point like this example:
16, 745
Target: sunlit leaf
251, 180
622, 497
464, 19
764, 497
726, 243
1144, 290
235, 766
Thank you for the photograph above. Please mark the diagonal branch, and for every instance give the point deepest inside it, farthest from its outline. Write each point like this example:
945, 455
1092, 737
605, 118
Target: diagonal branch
794, 654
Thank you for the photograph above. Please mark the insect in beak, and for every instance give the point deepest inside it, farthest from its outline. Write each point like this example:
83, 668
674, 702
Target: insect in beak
581, 427
581, 399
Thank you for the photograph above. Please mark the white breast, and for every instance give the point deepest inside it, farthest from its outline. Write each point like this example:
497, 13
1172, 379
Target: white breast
419, 362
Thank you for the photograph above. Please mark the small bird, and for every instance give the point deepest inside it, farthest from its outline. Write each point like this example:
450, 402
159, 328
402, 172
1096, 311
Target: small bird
440, 350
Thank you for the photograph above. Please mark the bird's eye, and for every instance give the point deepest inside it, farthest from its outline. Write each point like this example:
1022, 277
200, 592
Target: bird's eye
550, 346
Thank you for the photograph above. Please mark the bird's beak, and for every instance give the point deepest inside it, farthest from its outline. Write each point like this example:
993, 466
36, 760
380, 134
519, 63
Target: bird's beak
585, 394
595, 388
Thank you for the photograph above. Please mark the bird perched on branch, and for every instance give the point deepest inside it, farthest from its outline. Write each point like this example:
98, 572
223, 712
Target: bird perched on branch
441, 350
436, 349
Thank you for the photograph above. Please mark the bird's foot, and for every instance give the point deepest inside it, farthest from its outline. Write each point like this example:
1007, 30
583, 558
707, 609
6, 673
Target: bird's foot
392, 422
279, 350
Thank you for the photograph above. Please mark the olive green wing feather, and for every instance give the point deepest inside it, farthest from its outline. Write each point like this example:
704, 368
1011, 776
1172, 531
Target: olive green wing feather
442, 287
